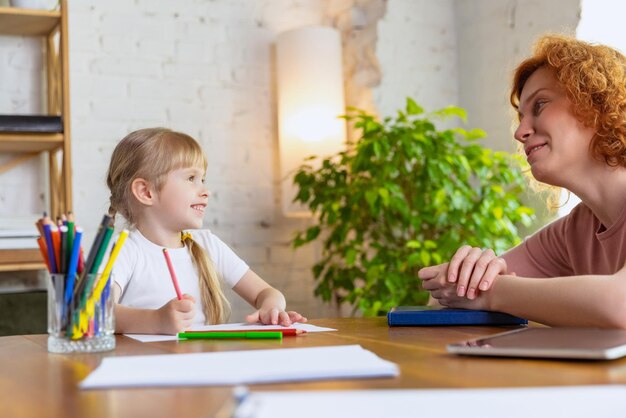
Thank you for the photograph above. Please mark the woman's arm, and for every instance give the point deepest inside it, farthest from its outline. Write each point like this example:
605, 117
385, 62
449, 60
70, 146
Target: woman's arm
269, 302
583, 301
173, 317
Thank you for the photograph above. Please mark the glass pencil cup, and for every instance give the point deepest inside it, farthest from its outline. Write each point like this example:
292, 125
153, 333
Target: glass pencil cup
80, 320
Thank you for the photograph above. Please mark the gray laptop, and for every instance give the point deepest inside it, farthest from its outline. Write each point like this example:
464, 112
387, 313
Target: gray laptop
564, 343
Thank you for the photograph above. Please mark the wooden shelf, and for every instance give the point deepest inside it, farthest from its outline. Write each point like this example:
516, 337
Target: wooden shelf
22, 266
16, 21
27, 259
30, 142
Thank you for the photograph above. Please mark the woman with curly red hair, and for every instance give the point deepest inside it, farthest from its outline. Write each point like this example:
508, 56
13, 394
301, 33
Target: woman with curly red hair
570, 97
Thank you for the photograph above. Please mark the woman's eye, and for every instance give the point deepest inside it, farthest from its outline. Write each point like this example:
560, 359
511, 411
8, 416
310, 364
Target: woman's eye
538, 106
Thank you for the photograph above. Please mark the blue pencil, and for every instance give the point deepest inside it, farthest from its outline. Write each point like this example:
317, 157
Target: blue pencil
71, 271
47, 234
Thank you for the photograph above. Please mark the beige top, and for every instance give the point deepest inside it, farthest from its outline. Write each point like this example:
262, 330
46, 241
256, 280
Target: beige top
576, 244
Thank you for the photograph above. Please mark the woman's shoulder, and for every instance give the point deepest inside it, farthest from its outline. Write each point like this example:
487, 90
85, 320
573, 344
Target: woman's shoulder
579, 220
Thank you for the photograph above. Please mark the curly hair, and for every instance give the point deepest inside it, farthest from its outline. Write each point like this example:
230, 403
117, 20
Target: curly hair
594, 79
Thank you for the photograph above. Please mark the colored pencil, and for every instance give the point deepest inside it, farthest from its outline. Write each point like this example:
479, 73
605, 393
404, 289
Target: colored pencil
172, 273
71, 277
63, 250
104, 277
88, 310
48, 237
86, 282
42, 247
95, 247
231, 335
39, 225
287, 332
71, 270
56, 243
70, 239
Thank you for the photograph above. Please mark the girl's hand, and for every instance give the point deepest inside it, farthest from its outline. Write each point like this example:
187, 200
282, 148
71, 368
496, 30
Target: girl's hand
275, 316
474, 269
176, 315
435, 280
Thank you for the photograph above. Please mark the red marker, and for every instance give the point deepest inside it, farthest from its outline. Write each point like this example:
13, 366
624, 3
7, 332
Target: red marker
172, 273
287, 332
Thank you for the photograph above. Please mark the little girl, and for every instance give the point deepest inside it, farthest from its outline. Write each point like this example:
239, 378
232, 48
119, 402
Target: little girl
156, 179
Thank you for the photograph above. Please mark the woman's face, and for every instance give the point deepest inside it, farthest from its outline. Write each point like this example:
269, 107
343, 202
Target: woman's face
555, 142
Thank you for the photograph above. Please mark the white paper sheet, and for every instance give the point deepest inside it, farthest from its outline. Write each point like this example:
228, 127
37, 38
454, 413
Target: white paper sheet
571, 402
240, 367
149, 338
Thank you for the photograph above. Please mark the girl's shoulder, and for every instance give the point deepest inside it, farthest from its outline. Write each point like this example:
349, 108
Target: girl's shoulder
205, 237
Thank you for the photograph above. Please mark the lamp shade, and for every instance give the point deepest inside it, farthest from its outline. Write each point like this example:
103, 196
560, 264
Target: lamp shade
310, 101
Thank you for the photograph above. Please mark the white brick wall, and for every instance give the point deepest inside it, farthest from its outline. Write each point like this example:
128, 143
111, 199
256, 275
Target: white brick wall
418, 55
511, 28
21, 86
205, 68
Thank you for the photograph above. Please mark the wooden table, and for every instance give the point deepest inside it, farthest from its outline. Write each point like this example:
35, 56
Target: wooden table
34, 383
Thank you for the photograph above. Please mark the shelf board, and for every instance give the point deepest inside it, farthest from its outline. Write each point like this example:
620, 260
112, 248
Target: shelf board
31, 124
29, 22
22, 266
22, 259
29, 142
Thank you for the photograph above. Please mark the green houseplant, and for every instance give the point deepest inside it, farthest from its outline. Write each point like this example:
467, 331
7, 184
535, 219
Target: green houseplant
404, 196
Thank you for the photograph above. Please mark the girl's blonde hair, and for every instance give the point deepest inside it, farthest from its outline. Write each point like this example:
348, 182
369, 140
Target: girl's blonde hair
151, 154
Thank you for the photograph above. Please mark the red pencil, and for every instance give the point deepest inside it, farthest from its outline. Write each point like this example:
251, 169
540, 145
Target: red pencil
172, 273
287, 332
44, 251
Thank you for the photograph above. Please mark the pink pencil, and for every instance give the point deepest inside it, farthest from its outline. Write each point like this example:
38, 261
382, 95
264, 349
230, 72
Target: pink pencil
172, 273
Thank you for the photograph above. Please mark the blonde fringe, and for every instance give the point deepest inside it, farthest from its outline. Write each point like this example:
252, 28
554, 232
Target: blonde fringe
216, 306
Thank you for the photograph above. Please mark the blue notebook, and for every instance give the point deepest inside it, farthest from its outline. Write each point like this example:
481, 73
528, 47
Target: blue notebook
425, 315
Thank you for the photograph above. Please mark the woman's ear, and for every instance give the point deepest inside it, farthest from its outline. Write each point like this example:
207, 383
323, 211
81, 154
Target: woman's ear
142, 191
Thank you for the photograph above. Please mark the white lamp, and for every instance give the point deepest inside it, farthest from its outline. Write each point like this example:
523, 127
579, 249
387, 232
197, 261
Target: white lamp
310, 99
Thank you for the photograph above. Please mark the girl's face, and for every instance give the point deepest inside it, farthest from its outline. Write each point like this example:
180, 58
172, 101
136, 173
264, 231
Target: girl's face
555, 142
183, 199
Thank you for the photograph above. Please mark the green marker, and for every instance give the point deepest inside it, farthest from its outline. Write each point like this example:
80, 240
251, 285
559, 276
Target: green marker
262, 335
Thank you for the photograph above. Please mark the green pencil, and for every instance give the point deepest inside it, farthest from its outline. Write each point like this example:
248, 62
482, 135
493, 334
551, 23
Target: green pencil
263, 335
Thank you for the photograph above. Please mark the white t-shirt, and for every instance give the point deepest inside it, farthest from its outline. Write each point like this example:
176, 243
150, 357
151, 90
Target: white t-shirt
141, 271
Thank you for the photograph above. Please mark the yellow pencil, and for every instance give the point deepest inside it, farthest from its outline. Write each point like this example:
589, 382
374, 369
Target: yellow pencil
88, 311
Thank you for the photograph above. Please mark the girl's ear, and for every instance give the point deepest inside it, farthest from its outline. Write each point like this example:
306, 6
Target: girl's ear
142, 191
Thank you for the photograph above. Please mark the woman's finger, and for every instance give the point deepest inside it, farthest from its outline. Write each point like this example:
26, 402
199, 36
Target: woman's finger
479, 271
455, 262
467, 267
496, 266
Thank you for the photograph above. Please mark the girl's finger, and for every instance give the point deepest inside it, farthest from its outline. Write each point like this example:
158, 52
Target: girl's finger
294, 316
284, 319
274, 316
253, 317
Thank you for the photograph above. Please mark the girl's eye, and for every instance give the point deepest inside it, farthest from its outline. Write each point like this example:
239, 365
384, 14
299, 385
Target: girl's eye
203, 180
191, 178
